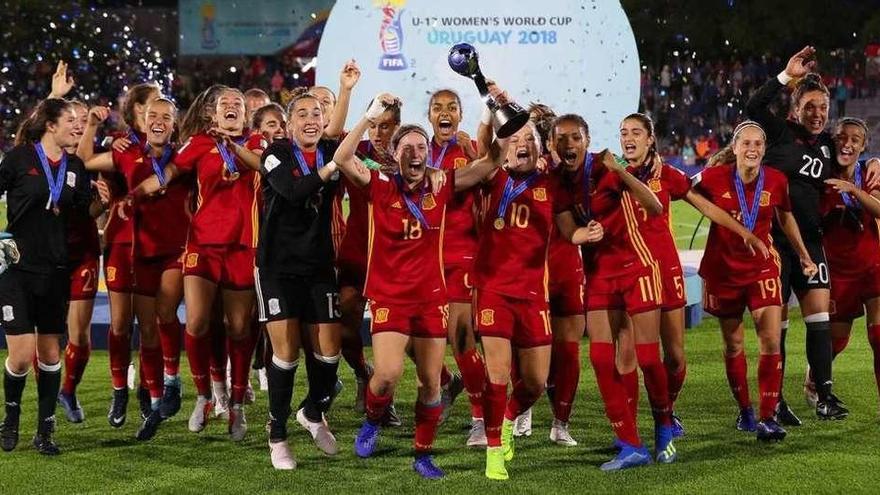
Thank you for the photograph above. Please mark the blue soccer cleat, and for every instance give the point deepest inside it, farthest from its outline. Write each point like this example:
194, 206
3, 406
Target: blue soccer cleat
664, 449
366, 440
746, 420
72, 410
770, 431
677, 426
170, 404
424, 465
628, 457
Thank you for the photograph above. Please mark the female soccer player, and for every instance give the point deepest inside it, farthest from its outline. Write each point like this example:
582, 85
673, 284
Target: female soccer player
296, 282
735, 278
43, 184
621, 281
270, 121
160, 227
801, 148
639, 148
220, 247
404, 282
850, 208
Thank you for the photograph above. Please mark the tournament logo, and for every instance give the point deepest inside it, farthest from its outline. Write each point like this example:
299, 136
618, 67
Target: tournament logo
487, 317
428, 202
391, 36
209, 34
539, 193
192, 260
765, 198
381, 315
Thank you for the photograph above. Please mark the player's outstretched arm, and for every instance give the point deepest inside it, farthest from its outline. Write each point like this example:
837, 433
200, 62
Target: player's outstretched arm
476, 171
348, 78
790, 229
569, 229
639, 190
758, 106
151, 185
102, 162
719, 216
870, 201
344, 156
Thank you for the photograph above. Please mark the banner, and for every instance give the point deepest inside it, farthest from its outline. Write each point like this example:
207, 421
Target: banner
577, 56
231, 27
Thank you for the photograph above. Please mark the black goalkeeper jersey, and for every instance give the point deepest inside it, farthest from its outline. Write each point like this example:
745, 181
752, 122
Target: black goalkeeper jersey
40, 234
295, 229
804, 158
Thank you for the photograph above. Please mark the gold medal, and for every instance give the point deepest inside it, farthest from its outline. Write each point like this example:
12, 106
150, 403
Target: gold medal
499, 223
56, 210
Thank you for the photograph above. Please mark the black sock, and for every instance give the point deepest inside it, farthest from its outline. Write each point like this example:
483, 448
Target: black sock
782, 353
13, 388
259, 352
819, 355
48, 385
322, 381
280, 394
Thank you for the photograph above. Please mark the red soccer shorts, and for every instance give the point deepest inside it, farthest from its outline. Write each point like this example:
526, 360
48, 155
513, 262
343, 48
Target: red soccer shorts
849, 294
148, 272
423, 320
84, 280
351, 270
727, 299
567, 297
229, 266
634, 292
118, 270
458, 282
674, 296
524, 322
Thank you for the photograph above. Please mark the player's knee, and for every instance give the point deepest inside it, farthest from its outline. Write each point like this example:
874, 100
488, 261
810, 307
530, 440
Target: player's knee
386, 377
674, 359
534, 384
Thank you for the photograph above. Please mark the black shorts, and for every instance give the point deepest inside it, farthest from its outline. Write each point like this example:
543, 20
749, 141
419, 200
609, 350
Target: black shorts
30, 300
308, 299
793, 278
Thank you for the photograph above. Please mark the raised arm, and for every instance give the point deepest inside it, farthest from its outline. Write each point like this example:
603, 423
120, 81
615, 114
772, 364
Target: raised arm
758, 106
348, 78
62, 83
86, 148
639, 190
344, 156
477, 170
722, 218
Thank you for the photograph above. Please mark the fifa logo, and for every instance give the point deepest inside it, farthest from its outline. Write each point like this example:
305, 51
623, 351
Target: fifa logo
209, 36
391, 37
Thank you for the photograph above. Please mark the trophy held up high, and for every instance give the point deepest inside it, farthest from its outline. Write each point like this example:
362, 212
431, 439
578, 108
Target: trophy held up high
506, 119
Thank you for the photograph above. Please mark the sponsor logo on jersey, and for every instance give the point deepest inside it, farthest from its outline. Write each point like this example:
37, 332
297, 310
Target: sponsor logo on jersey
655, 185
765, 198
539, 193
726, 195
428, 202
459, 162
192, 260
397, 205
274, 306
487, 317
111, 273
139, 160
8, 313
380, 315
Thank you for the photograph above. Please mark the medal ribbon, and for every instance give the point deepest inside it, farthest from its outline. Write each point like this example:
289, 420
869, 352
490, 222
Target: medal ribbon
413, 208
588, 169
56, 183
848, 199
303, 165
228, 158
159, 166
439, 162
750, 217
511, 191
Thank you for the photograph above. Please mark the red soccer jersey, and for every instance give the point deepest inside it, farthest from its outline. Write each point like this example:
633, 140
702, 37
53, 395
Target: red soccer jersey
228, 207
161, 222
726, 255
622, 249
668, 184
404, 263
118, 230
512, 258
850, 235
82, 237
354, 242
460, 242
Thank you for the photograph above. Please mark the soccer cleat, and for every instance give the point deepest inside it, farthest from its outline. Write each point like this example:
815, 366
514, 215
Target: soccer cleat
831, 408
320, 432
477, 436
522, 427
43, 440
220, 396
391, 419
664, 450
770, 431
72, 410
171, 397
746, 420
677, 426
201, 412
150, 426
145, 402
785, 415
237, 423
507, 439
366, 439
282, 458
560, 435
810, 394
448, 394
9, 434
628, 457
495, 468
264, 383
118, 408
424, 465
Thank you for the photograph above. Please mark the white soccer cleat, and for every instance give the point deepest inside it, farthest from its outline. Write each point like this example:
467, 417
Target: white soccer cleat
559, 434
522, 425
477, 437
201, 412
264, 380
220, 396
810, 394
237, 423
282, 458
320, 432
